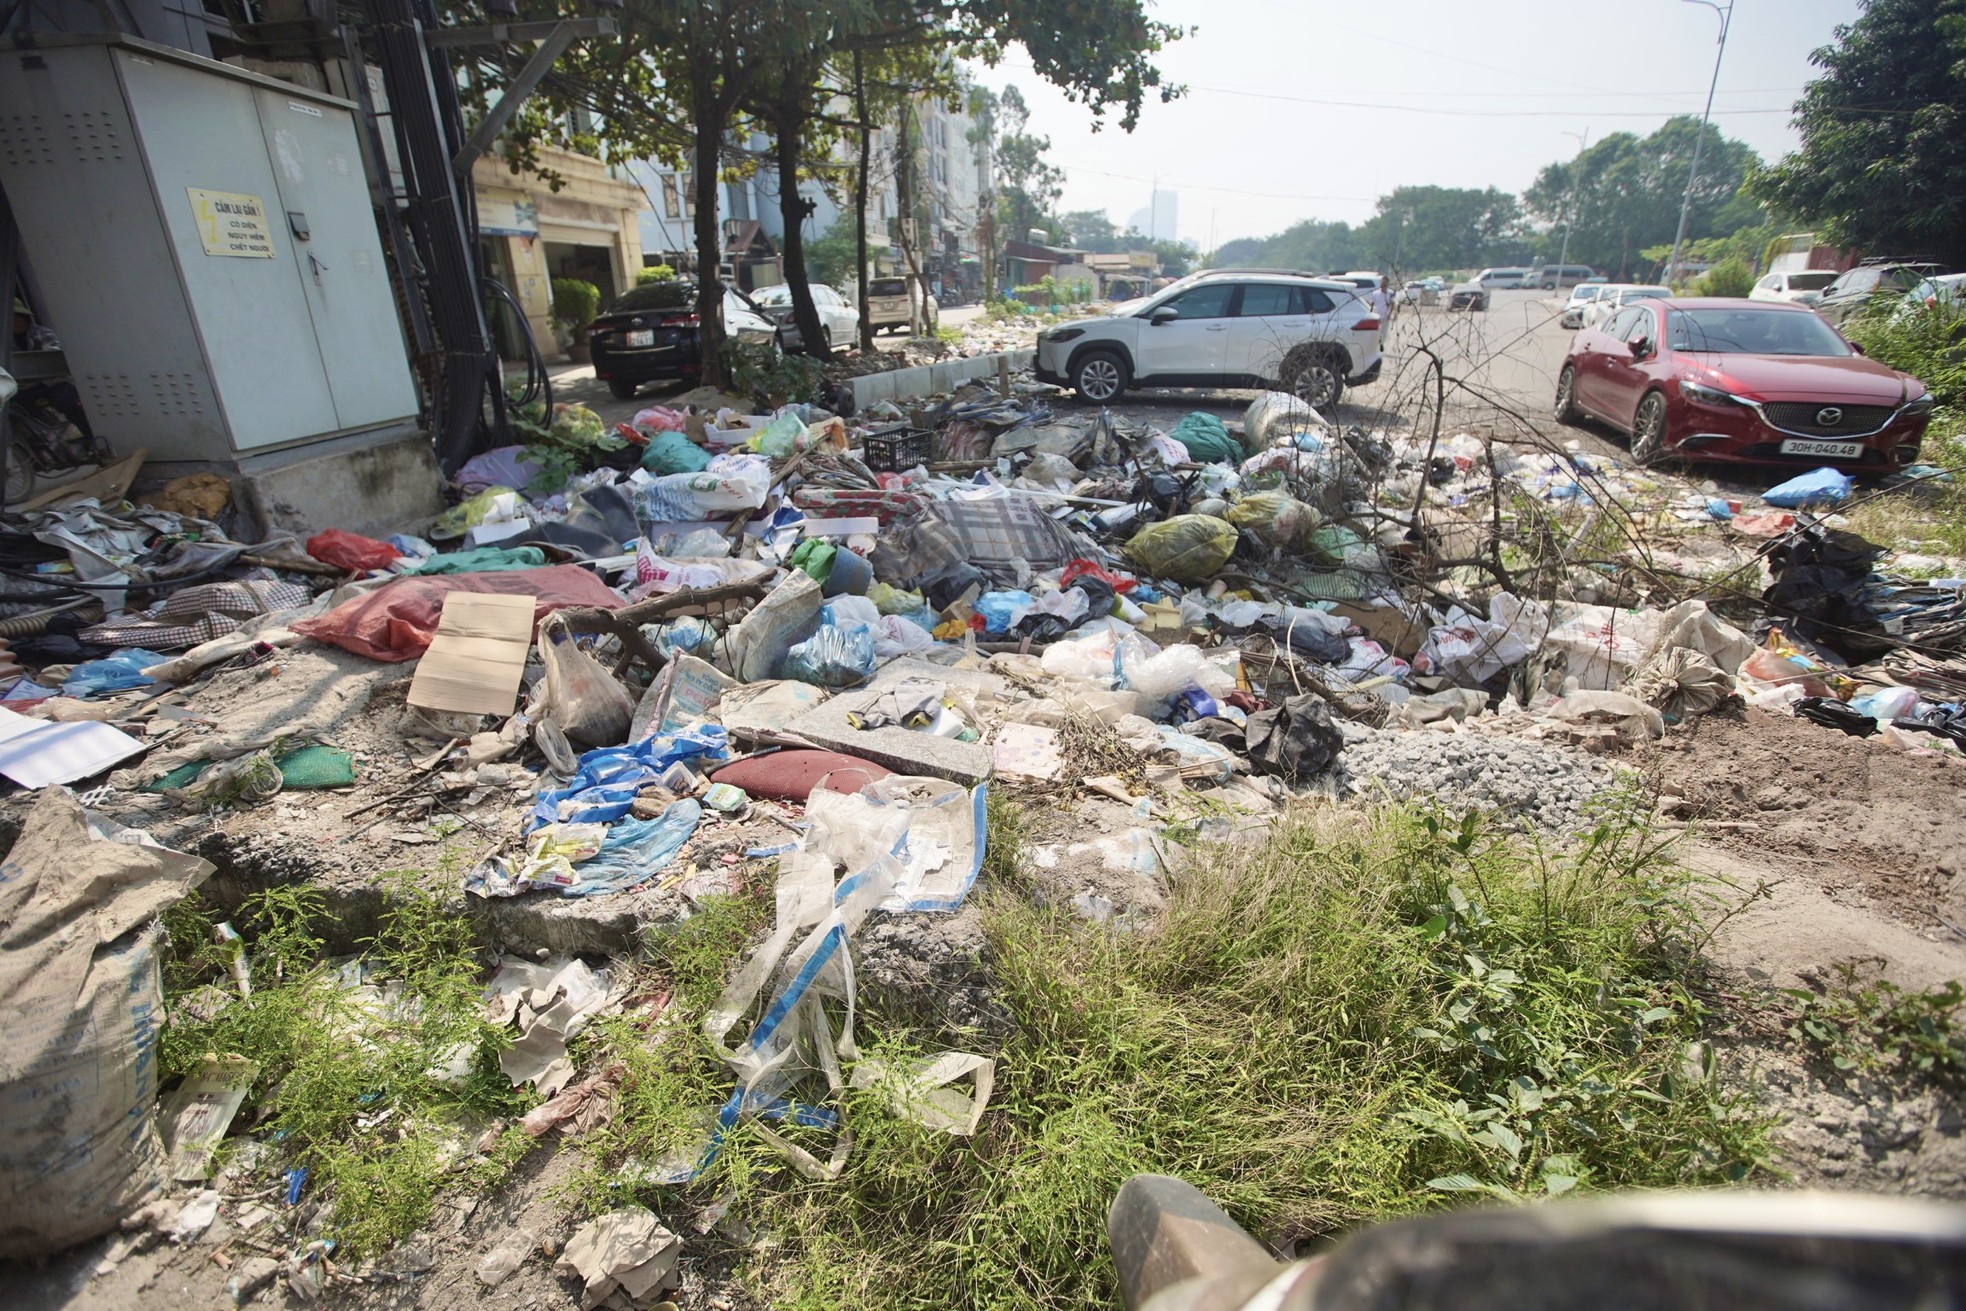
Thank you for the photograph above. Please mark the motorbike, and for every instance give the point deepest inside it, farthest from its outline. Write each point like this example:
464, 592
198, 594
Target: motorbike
38, 440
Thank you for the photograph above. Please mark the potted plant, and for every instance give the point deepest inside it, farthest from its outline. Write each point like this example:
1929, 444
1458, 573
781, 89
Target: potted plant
575, 303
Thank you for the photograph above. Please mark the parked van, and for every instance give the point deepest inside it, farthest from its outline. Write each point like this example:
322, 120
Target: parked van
1504, 279
1565, 275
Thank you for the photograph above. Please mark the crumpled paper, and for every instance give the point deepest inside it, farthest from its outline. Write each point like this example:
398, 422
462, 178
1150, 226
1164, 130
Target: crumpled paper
551, 1002
625, 1250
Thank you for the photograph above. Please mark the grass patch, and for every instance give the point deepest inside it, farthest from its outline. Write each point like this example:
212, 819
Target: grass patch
353, 1081
1368, 1017
1931, 346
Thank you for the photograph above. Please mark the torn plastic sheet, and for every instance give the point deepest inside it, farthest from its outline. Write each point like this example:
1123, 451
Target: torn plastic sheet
906, 843
551, 1002
928, 1092
625, 1250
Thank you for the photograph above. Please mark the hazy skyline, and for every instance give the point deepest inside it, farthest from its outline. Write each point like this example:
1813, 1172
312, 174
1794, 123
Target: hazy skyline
1433, 92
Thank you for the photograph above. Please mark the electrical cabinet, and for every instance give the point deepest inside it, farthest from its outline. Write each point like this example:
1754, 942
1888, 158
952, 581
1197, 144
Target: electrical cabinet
204, 245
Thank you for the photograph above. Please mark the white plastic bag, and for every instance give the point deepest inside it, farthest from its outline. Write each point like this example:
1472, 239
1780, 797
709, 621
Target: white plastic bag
581, 696
761, 640
1175, 670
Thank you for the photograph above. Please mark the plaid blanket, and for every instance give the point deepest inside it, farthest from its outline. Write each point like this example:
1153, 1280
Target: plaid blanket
198, 614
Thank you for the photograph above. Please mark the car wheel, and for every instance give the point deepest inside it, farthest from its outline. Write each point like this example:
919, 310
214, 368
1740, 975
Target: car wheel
1549, 286
1566, 396
1649, 430
20, 477
621, 389
1314, 377
1099, 376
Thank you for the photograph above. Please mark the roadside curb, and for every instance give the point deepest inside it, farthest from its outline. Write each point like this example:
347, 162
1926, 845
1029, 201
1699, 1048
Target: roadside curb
945, 375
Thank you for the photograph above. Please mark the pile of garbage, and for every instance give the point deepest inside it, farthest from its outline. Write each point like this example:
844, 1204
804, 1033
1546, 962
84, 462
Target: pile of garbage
808, 644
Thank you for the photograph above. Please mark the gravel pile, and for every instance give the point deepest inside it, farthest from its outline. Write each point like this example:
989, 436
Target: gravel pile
1546, 785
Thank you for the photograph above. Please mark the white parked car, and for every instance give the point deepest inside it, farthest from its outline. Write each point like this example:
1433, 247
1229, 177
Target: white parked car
1616, 296
838, 319
1509, 279
1581, 296
1804, 287
891, 301
1264, 328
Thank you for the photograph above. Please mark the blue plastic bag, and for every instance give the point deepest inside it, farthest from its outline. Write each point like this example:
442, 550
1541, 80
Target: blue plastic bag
833, 657
1002, 611
117, 673
1824, 486
635, 849
608, 779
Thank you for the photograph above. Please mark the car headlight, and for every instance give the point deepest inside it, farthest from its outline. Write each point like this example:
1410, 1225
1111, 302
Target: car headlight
1705, 395
1923, 405
1060, 334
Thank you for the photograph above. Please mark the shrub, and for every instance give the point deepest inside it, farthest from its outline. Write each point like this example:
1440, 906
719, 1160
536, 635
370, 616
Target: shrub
1730, 277
654, 273
575, 303
1928, 342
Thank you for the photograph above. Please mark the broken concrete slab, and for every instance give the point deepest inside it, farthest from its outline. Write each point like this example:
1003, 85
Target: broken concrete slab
903, 750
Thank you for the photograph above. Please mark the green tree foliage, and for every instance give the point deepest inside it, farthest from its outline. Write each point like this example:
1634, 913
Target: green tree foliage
1030, 185
1443, 228
1091, 229
1623, 194
831, 256
1313, 245
1884, 134
1730, 277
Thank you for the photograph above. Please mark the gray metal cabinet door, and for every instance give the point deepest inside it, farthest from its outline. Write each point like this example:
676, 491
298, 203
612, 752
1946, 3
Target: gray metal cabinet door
318, 167
201, 132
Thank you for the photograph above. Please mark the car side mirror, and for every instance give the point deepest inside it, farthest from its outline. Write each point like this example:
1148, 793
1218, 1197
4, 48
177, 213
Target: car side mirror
1858, 347
1640, 347
1165, 314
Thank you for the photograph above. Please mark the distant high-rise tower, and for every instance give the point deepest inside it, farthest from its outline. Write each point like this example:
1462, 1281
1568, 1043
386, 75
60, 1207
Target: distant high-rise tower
1159, 222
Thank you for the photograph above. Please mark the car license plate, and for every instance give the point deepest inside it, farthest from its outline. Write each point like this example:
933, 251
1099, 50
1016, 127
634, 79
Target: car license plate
641, 337
1831, 450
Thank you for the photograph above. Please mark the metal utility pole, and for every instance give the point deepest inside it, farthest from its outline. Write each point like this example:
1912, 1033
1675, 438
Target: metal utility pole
1570, 215
1699, 142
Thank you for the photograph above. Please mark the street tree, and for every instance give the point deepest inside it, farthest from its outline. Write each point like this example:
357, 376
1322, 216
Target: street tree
1883, 154
1030, 184
1623, 193
1443, 228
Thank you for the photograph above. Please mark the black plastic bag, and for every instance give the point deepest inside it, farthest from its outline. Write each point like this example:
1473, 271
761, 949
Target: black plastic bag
1296, 740
1831, 713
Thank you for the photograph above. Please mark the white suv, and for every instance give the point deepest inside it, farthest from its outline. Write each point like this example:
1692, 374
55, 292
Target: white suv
1223, 328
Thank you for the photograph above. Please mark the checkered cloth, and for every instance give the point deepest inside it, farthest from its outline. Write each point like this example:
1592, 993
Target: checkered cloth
198, 614
841, 503
997, 535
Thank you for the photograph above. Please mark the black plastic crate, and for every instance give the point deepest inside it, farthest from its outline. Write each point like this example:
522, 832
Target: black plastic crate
896, 447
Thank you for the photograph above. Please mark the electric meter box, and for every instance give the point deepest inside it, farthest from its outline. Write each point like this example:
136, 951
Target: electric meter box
204, 244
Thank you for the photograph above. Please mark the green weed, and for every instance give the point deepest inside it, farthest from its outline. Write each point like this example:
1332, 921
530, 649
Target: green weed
1862, 1023
1366, 1017
376, 1086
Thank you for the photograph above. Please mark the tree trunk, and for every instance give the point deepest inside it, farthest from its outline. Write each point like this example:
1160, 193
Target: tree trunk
860, 204
791, 209
709, 129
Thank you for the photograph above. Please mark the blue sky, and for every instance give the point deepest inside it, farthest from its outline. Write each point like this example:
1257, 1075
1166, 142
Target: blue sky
1465, 93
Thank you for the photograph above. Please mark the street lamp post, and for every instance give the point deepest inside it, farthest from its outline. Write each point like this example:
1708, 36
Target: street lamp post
1570, 215
1693, 174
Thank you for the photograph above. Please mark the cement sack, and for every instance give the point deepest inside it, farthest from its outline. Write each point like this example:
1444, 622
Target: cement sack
81, 1003
1273, 418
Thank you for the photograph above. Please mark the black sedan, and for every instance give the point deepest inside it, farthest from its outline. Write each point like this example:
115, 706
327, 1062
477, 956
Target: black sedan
650, 333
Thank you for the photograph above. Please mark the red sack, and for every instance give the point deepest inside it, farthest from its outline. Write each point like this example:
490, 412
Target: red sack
397, 620
350, 551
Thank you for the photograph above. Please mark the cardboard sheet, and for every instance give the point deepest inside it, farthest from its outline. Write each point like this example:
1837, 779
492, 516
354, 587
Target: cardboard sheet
478, 657
35, 753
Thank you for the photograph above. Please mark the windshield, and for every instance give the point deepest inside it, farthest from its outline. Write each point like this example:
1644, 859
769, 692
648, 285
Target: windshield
1643, 293
887, 287
779, 294
1811, 281
655, 296
1753, 332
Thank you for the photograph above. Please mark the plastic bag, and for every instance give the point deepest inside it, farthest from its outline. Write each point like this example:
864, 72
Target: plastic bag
1051, 471
472, 511
845, 611
1186, 548
635, 850
1276, 517
727, 483
351, 551
781, 436
1003, 611
898, 636
815, 557
1887, 703
684, 636
891, 600
1175, 670
581, 696
1077, 569
1274, 417
117, 673
670, 451
833, 656
1097, 652
1818, 487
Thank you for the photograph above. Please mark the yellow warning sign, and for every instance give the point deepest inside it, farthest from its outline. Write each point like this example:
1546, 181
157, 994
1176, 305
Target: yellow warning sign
231, 223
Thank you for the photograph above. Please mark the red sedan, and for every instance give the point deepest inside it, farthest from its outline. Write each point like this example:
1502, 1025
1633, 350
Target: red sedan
1747, 381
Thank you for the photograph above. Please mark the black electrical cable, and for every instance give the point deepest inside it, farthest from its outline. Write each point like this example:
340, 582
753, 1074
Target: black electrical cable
539, 383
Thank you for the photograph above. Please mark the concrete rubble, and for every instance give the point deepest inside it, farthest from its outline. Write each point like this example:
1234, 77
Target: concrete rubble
809, 649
